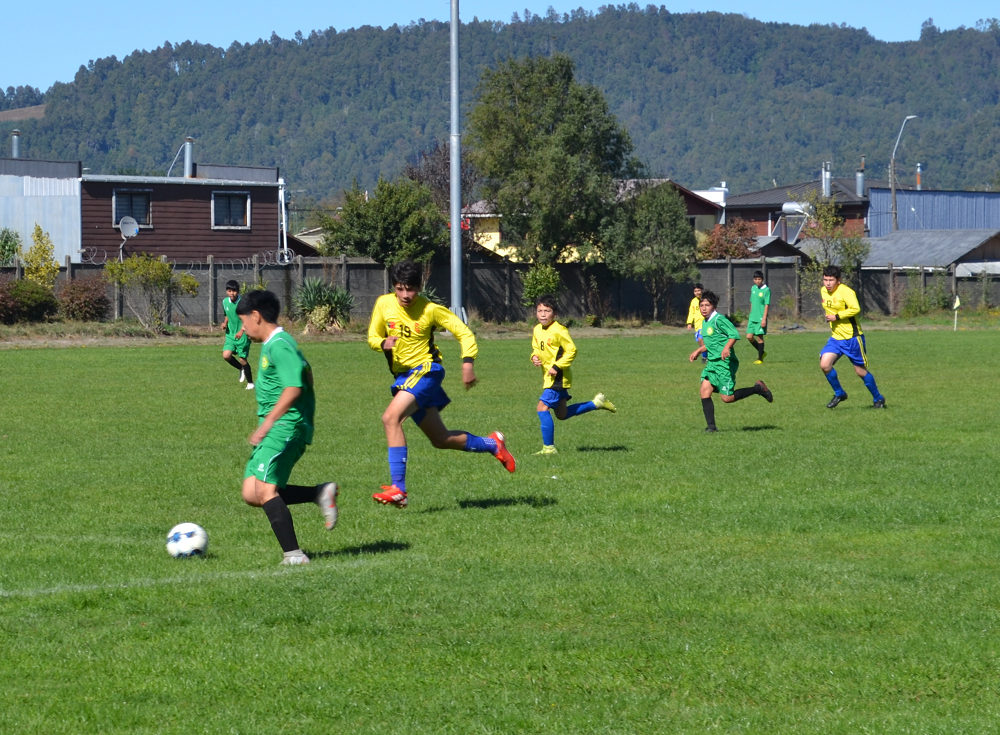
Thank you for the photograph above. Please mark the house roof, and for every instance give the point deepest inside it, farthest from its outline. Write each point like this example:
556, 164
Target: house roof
842, 190
772, 246
627, 188
242, 183
913, 248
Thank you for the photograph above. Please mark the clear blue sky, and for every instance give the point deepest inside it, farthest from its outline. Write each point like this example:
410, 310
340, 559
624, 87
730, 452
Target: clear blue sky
46, 43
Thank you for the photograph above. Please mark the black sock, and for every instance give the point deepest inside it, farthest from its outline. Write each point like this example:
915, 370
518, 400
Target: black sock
248, 372
281, 523
740, 393
708, 406
298, 494
760, 349
234, 362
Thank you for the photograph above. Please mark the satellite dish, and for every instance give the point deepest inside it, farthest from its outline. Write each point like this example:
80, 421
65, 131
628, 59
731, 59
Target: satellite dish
128, 227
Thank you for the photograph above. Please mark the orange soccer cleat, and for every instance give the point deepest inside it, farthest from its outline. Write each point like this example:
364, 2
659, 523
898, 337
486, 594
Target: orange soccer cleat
505, 457
391, 495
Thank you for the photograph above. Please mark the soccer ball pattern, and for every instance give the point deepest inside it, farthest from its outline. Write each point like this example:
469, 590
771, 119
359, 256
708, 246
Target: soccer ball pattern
187, 539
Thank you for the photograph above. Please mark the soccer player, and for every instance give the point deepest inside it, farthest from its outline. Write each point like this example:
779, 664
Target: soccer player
719, 376
402, 328
236, 349
760, 301
841, 306
285, 406
695, 319
552, 349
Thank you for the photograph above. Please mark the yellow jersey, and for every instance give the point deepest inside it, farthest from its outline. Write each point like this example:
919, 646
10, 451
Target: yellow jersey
555, 348
694, 313
843, 304
414, 329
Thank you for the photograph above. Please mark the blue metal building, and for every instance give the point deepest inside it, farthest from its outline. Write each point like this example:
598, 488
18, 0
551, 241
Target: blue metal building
933, 210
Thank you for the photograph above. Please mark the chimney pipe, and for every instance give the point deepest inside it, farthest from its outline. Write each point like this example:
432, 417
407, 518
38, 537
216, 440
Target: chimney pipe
920, 170
189, 158
827, 183
15, 144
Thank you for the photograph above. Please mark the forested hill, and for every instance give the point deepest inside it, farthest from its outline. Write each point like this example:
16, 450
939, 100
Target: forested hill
706, 97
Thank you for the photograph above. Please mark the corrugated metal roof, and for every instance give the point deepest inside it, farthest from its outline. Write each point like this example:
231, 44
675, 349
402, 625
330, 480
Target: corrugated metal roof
174, 180
843, 191
909, 248
933, 210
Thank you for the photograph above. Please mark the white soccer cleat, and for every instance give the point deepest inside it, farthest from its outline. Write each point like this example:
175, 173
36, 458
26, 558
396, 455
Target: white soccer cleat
294, 558
249, 386
601, 402
243, 376
326, 499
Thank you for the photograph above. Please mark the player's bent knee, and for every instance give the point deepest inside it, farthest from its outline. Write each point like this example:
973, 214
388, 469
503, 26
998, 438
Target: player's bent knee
728, 399
249, 491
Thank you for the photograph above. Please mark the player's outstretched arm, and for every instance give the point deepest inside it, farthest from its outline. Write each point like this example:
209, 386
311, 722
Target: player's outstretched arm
447, 320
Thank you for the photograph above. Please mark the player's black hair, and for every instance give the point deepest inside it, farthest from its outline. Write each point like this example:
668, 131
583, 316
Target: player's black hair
233, 286
407, 273
547, 299
832, 271
759, 274
264, 303
708, 296
698, 285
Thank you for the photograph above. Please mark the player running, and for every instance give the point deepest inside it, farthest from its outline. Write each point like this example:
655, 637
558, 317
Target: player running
285, 406
760, 300
236, 348
719, 376
402, 327
841, 306
695, 319
552, 349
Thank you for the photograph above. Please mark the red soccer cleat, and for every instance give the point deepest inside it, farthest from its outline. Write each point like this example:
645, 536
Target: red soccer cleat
391, 495
505, 457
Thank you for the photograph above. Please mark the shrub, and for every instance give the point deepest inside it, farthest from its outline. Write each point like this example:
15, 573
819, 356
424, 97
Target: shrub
538, 280
148, 283
85, 299
322, 304
8, 304
39, 265
10, 246
34, 302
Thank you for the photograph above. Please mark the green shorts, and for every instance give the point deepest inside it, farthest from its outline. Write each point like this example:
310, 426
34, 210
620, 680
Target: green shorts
239, 347
273, 459
722, 375
755, 328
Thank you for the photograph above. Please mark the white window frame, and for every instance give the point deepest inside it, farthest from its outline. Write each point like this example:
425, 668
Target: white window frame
131, 190
231, 227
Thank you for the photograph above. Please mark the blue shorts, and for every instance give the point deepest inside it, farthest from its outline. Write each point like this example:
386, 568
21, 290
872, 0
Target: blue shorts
551, 396
853, 349
423, 383
697, 334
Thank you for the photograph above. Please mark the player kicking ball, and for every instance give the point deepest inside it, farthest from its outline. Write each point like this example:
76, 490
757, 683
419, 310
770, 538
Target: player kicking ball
719, 376
552, 349
236, 348
402, 328
841, 306
285, 406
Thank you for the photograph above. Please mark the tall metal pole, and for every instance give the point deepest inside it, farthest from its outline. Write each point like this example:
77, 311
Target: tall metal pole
892, 171
456, 173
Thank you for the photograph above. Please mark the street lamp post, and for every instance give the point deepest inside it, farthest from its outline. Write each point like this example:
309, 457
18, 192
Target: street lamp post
455, 153
892, 172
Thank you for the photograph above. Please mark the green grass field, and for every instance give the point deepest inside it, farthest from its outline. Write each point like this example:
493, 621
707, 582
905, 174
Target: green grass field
803, 570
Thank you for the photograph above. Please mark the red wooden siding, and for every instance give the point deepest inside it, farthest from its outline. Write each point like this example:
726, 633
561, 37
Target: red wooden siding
182, 221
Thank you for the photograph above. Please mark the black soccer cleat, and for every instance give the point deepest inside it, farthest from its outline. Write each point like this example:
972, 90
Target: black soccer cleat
710, 429
836, 401
880, 403
768, 396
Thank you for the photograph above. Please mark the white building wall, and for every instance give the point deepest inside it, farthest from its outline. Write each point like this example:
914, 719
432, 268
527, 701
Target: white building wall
52, 203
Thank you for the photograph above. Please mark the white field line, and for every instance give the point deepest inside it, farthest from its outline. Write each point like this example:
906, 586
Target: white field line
190, 579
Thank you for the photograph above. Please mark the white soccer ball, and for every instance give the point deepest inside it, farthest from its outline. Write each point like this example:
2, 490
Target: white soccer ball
187, 539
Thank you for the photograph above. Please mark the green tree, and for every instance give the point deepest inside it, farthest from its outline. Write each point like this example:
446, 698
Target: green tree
549, 152
10, 246
39, 264
831, 244
734, 239
650, 239
401, 221
147, 284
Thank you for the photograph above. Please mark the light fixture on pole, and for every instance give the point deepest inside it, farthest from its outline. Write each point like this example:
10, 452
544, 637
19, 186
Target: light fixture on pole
892, 171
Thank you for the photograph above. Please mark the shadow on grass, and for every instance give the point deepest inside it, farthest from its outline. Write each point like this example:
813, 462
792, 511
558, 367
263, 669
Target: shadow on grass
766, 427
612, 448
487, 503
379, 547
434, 509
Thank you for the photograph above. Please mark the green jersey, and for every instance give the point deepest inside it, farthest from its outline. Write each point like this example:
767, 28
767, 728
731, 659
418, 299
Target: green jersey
759, 298
233, 324
282, 365
715, 332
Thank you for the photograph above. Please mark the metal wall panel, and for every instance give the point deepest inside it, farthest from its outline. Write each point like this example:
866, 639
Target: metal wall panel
52, 203
933, 210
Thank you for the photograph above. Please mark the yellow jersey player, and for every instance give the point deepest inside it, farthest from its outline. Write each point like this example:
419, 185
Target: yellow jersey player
552, 350
402, 327
841, 306
695, 319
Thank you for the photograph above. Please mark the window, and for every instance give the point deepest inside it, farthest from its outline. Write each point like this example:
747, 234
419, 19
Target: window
135, 204
230, 210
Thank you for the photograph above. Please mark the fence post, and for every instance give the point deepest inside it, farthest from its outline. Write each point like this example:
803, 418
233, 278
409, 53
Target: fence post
118, 302
730, 300
211, 290
923, 281
69, 269
256, 270
385, 280
170, 301
18, 268
506, 289
892, 290
342, 273
954, 279
763, 267
798, 287
302, 268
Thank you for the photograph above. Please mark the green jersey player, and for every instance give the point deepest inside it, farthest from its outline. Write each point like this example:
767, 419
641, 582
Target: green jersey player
236, 348
719, 376
760, 302
285, 407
